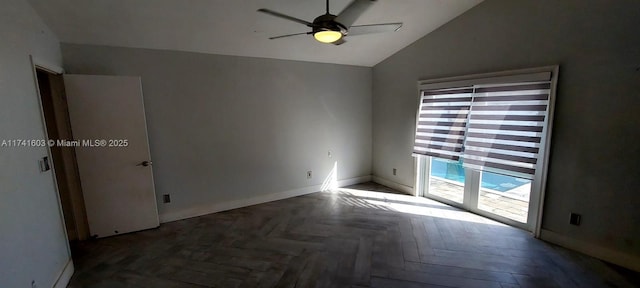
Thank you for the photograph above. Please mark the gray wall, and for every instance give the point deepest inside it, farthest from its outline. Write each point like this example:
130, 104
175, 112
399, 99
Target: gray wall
32, 239
225, 128
595, 150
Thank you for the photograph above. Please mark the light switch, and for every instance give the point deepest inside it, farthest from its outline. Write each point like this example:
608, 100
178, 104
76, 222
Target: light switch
44, 164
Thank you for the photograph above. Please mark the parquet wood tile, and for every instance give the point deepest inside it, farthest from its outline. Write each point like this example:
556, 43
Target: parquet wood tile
366, 235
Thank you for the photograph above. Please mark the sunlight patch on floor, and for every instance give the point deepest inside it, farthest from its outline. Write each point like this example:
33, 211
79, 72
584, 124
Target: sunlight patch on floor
407, 204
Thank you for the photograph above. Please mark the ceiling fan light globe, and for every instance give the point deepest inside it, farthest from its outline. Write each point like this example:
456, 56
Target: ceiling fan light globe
327, 36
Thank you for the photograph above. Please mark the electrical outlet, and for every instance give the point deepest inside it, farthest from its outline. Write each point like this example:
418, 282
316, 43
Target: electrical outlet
329, 153
309, 175
166, 198
574, 219
395, 171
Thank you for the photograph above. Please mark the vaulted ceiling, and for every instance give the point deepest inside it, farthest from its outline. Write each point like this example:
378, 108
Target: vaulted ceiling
233, 27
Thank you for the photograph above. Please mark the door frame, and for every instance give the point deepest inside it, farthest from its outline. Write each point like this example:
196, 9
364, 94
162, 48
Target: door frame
37, 64
82, 228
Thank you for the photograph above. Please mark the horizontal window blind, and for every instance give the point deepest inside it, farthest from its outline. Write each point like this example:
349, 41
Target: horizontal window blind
442, 122
505, 128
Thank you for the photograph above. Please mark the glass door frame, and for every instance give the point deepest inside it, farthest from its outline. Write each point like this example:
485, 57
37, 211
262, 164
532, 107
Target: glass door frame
471, 196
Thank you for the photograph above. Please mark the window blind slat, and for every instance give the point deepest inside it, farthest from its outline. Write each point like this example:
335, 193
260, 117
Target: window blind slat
511, 108
444, 92
442, 156
505, 137
507, 127
442, 116
538, 118
505, 142
440, 139
441, 147
485, 154
445, 99
437, 131
441, 123
470, 150
503, 147
532, 97
451, 108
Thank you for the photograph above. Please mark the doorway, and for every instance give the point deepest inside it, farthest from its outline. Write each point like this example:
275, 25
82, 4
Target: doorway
103, 169
58, 127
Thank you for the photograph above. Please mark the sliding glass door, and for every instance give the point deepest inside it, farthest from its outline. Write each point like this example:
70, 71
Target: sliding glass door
481, 142
503, 197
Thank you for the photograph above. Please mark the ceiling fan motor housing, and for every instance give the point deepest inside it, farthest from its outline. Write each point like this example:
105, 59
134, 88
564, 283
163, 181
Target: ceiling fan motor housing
327, 22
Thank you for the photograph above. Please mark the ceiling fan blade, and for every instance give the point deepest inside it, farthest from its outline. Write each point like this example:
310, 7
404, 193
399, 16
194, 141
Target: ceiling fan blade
289, 35
374, 28
339, 41
350, 14
290, 18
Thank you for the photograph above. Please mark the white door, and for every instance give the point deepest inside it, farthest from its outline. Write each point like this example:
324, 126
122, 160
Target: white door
107, 117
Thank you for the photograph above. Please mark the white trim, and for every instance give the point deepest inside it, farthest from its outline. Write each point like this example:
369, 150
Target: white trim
417, 184
45, 65
233, 204
35, 65
545, 156
67, 271
65, 275
616, 257
394, 185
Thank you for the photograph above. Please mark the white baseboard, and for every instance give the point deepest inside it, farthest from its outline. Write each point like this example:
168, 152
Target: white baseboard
400, 187
603, 253
353, 181
65, 275
218, 207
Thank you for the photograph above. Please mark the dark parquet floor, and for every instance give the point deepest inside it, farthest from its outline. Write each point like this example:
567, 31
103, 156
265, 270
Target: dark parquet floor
347, 238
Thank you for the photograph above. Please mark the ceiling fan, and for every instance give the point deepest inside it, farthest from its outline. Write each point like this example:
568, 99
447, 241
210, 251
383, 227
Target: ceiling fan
329, 28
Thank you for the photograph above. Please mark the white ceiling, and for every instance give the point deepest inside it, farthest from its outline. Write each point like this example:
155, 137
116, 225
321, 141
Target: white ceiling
233, 27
